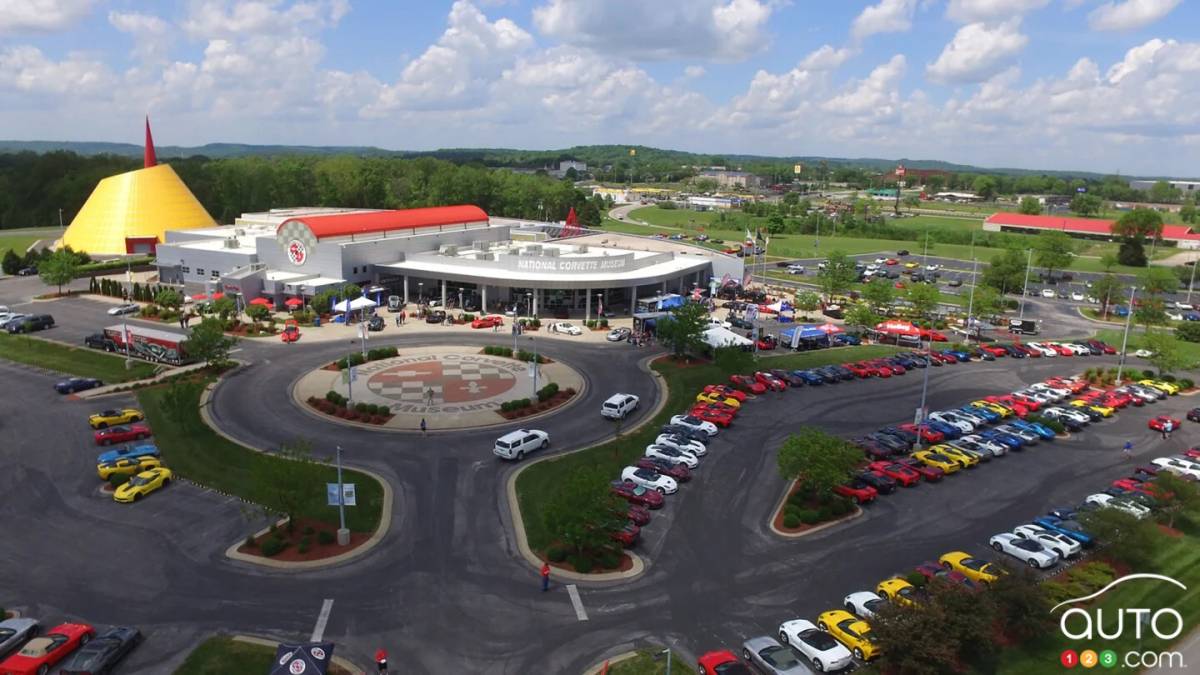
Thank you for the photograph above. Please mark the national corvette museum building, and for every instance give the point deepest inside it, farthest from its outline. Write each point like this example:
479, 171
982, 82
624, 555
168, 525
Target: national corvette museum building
439, 253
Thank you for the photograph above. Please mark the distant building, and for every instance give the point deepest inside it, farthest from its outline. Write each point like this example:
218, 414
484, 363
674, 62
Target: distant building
1083, 228
618, 195
566, 165
958, 197
702, 203
728, 179
913, 176
1187, 187
882, 194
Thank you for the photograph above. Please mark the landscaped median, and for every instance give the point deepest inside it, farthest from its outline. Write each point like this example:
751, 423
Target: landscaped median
79, 361
543, 488
292, 482
224, 655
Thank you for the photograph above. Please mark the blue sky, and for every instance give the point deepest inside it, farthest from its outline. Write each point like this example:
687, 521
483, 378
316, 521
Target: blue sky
1100, 85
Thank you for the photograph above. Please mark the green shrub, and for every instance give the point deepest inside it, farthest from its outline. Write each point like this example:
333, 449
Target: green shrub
916, 579
809, 516
489, 350
841, 507
325, 537
524, 403
604, 323
796, 499
556, 554
1167, 377
791, 521
1147, 374
309, 530
610, 559
824, 513
582, 563
468, 317
1188, 331
1186, 383
360, 408
547, 392
305, 544
273, 546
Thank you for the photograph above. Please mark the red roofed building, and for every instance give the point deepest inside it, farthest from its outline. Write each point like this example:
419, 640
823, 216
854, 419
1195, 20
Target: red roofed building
406, 221
1084, 228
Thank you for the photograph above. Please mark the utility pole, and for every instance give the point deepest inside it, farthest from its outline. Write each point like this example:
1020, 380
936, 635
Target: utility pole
971, 298
1125, 340
534, 365
1192, 281
60, 221
343, 534
1025, 288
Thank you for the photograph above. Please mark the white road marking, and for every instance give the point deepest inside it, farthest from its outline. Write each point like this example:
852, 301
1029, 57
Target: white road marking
580, 612
322, 619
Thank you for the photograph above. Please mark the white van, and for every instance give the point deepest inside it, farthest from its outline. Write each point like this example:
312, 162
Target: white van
516, 444
618, 406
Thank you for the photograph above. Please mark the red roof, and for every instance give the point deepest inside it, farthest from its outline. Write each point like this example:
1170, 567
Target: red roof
1089, 225
382, 221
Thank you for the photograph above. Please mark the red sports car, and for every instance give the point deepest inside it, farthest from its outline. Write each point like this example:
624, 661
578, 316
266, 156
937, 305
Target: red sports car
640, 515
928, 435
726, 391
928, 334
1018, 407
770, 381
747, 383
636, 494
994, 350
488, 321
931, 570
291, 331
677, 471
1193, 452
1029, 403
1160, 423
1074, 385
121, 434
41, 653
709, 413
1029, 351
1117, 399
861, 370
722, 663
857, 490
627, 534
900, 473
931, 474
891, 261
767, 342
1146, 488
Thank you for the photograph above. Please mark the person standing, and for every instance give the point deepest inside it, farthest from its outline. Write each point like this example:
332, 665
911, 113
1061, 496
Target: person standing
1166, 430
381, 660
1127, 451
422, 425
545, 577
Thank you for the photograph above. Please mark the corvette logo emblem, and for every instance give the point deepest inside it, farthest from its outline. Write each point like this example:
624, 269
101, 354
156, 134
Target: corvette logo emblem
296, 251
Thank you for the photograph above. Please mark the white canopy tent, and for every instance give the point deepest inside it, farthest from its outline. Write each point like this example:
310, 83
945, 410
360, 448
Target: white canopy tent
718, 336
354, 305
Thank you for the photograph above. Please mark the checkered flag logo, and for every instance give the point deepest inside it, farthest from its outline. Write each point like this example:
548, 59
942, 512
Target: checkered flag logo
292, 232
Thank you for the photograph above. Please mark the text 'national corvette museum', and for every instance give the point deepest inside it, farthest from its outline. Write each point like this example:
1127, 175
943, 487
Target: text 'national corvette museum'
450, 253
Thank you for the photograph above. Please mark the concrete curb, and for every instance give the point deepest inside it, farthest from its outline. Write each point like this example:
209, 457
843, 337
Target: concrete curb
623, 656
264, 642
858, 512
316, 414
514, 506
385, 515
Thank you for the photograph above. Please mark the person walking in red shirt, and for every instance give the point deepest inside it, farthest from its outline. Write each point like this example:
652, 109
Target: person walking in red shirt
545, 577
381, 660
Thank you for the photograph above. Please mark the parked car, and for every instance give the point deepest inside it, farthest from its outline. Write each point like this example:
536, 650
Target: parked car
636, 494
14, 631
125, 308
43, 652
674, 455
103, 652
1028, 551
77, 384
770, 657
721, 663
618, 334
141, 485
489, 321
814, 644
29, 324
694, 423
650, 479
121, 434
516, 444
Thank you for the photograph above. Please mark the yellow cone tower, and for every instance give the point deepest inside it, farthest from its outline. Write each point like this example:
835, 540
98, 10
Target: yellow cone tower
130, 212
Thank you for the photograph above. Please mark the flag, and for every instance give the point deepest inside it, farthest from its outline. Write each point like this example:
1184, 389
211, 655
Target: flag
599, 307
748, 278
726, 279
749, 238
758, 236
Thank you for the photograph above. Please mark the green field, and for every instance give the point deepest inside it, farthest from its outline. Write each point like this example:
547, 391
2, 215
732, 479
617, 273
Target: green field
538, 482
79, 361
17, 243
1113, 336
193, 450
226, 656
645, 664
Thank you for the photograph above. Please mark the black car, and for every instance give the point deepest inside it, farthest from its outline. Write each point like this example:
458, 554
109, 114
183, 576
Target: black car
882, 484
100, 341
29, 324
436, 317
893, 443
103, 652
902, 252
74, 384
1015, 352
1193, 415
873, 449
738, 322
828, 375
787, 376
27, 272
954, 283
903, 434
375, 323
844, 373
686, 432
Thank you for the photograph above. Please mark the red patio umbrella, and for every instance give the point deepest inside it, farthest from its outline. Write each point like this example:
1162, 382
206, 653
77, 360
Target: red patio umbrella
218, 295
830, 328
200, 296
294, 302
260, 300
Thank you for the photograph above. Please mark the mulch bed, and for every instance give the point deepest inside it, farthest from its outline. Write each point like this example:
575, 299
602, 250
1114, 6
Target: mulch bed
327, 407
778, 519
316, 551
625, 566
558, 399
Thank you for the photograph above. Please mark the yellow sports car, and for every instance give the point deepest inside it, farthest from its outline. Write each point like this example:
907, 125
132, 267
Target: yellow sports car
108, 418
1000, 410
143, 484
1169, 387
979, 571
1105, 411
898, 591
937, 460
911, 265
850, 631
966, 460
705, 397
127, 466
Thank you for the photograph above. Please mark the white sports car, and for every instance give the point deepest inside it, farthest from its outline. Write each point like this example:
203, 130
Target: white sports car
672, 455
695, 423
863, 603
1028, 551
1181, 467
566, 328
1110, 502
816, 645
651, 480
1061, 544
679, 443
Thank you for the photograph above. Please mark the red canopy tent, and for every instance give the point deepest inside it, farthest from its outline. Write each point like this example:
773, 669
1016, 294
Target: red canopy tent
897, 328
200, 296
830, 328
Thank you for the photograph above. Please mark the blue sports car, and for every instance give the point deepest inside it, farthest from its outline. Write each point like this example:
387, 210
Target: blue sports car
962, 357
989, 415
1013, 442
1069, 528
74, 384
947, 430
1036, 427
844, 339
809, 377
147, 450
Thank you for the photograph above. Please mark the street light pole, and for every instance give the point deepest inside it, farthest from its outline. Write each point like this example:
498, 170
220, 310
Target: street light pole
971, 299
1125, 339
1025, 288
1192, 282
343, 534
534, 365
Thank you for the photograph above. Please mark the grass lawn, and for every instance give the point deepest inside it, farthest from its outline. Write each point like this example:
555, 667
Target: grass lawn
226, 656
537, 482
1178, 559
193, 450
923, 222
630, 228
644, 664
16, 242
1113, 336
80, 361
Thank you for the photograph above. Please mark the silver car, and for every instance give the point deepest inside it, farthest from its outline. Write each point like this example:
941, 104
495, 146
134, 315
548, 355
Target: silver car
13, 632
768, 656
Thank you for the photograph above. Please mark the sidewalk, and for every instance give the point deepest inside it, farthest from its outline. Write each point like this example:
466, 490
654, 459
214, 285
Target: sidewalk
331, 332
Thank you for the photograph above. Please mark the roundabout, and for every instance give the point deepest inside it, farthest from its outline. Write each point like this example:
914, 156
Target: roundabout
449, 388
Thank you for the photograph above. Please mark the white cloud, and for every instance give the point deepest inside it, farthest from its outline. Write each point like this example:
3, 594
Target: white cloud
24, 16
225, 18
717, 30
1137, 58
888, 16
826, 58
977, 51
150, 33
970, 11
26, 69
692, 72
1130, 14
877, 95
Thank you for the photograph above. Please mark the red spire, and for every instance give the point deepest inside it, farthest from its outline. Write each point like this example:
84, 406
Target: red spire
572, 219
150, 158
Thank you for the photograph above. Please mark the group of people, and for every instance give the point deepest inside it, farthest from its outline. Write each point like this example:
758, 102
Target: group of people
640, 339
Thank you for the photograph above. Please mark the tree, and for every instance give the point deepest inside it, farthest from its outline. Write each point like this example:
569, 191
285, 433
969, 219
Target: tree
924, 298
1189, 214
1163, 192
818, 461
879, 293
1108, 289
863, 315
1022, 609
209, 343
224, 307
291, 484
987, 302
912, 201
1139, 224
1159, 280
1054, 250
684, 329
985, 187
11, 263
257, 312
1108, 261
1132, 253
807, 301
915, 639
1126, 539
1030, 206
837, 276
1150, 311
579, 511
169, 297
58, 269
1006, 272
1166, 354
1086, 205
1179, 497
